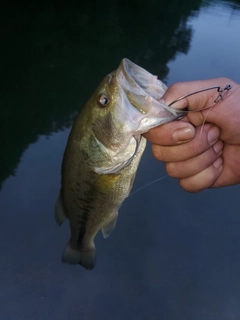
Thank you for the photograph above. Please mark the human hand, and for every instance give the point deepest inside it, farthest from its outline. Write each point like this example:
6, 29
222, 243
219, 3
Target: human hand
203, 149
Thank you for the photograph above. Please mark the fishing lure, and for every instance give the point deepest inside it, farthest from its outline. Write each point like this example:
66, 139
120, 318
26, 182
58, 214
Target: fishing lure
221, 94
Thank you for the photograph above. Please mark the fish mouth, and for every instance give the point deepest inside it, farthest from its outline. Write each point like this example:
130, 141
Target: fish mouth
141, 82
144, 91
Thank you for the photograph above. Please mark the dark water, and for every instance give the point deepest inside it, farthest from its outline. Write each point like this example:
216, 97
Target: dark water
173, 255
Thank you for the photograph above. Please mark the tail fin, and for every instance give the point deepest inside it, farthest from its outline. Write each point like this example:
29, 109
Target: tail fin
86, 257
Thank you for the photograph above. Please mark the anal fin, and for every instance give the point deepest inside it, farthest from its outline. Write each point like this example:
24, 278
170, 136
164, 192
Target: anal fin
60, 214
110, 225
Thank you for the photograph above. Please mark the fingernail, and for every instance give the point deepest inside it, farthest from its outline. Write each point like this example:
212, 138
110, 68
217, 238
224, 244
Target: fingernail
218, 146
213, 135
218, 163
184, 134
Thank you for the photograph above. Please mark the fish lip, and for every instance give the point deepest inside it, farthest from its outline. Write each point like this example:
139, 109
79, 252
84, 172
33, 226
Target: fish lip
139, 85
126, 76
131, 72
144, 91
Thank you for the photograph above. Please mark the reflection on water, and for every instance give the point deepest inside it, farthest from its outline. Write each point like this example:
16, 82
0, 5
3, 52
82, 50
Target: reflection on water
55, 54
214, 49
166, 259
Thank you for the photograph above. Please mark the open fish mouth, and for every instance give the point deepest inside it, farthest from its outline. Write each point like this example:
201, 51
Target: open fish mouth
140, 81
144, 92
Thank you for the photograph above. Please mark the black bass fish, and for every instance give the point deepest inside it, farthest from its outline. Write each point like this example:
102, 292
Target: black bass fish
103, 153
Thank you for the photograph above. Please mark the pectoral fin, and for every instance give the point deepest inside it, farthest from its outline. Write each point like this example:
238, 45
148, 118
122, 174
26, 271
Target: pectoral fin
109, 225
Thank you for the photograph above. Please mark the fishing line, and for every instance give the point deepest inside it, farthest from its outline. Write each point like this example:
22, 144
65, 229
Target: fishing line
148, 184
205, 119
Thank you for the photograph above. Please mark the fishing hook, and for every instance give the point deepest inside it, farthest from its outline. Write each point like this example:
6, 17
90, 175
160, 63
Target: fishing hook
222, 92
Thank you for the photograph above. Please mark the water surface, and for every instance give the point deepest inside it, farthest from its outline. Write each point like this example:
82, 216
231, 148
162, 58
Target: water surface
173, 255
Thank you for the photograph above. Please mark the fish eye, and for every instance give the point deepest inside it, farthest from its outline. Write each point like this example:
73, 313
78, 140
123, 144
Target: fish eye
103, 100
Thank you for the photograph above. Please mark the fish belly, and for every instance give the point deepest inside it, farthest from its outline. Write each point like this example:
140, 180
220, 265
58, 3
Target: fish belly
91, 202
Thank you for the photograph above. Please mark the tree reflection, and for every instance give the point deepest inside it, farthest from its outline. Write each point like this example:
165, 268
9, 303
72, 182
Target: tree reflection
56, 52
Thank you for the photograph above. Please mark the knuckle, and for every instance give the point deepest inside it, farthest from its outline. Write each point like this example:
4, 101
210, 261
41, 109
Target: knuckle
187, 185
175, 87
171, 169
213, 176
156, 152
224, 79
203, 180
198, 147
161, 153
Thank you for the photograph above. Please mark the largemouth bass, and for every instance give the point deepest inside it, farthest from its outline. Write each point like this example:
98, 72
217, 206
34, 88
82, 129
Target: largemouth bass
103, 153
